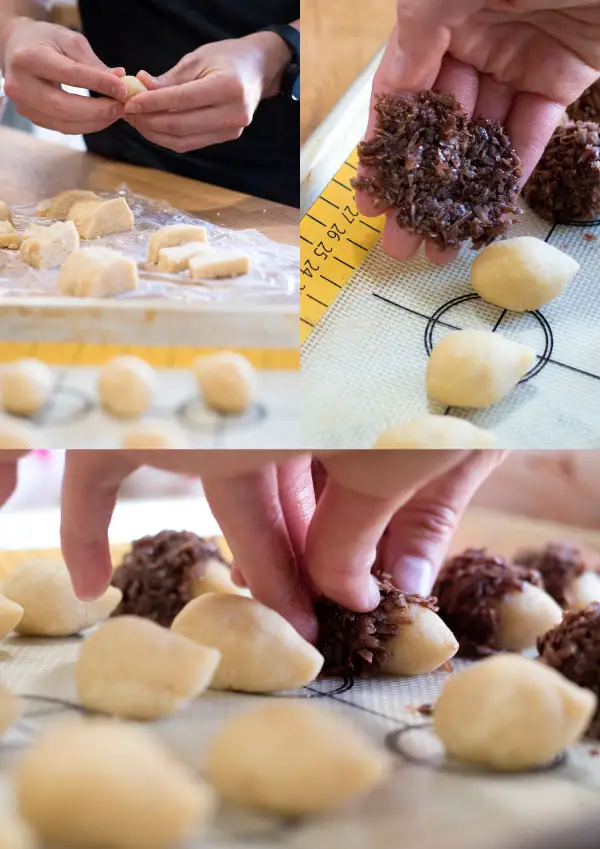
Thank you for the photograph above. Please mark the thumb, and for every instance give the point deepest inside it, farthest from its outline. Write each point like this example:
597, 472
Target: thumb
417, 539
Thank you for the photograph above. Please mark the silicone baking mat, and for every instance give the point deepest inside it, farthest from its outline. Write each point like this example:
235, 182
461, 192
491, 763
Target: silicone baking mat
427, 801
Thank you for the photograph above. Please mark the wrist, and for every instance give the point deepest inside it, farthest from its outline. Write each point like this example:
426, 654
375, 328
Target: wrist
276, 56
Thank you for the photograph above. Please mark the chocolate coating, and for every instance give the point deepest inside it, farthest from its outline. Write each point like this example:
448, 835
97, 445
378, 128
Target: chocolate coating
558, 563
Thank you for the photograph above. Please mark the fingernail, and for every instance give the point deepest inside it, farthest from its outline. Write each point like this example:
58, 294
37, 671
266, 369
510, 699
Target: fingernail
134, 108
413, 575
373, 594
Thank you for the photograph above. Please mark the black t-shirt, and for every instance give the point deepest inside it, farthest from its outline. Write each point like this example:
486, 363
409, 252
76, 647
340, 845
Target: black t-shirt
154, 35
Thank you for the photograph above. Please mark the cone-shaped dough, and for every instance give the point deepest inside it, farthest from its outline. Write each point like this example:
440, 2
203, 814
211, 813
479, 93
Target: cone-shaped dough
10, 708
421, 645
583, 590
10, 616
525, 616
132, 667
292, 758
521, 274
476, 368
134, 86
216, 579
511, 713
435, 432
101, 783
260, 651
14, 834
59, 206
43, 589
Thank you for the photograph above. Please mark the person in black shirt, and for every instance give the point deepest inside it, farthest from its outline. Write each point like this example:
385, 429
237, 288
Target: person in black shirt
222, 76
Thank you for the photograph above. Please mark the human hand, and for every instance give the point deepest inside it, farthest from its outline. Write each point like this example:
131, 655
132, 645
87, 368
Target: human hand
518, 62
287, 550
211, 95
39, 58
9, 461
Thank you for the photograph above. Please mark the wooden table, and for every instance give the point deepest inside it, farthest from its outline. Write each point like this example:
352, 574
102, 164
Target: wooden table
339, 39
31, 169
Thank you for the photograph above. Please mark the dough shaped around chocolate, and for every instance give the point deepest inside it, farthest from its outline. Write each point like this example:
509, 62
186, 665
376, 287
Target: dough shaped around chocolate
435, 432
421, 645
98, 273
524, 616
260, 651
126, 386
172, 236
134, 86
25, 386
227, 381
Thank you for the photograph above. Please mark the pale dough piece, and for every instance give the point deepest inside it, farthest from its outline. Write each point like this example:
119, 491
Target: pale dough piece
172, 236
153, 435
102, 783
583, 590
9, 238
227, 381
14, 834
95, 218
25, 386
522, 274
215, 264
175, 259
10, 708
60, 205
476, 368
98, 273
51, 609
216, 579
260, 651
435, 432
126, 387
511, 713
293, 758
421, 646
134, 86
49, 247
133, 668
18, 435
5, 211
525, 616
10, 616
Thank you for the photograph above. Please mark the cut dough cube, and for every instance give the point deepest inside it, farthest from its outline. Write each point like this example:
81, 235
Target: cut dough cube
476, 368
227, 381
214, 265
9, 238
5, 211
49, 247
59, 206
151, 435
98, 273
134, 86
435, 432
126, 386
25, 386
173, 235
172, 260
11, 614
522, 274
96, 218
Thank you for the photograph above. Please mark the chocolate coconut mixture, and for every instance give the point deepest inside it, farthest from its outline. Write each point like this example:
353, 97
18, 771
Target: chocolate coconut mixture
155, 575
573, 648
565, 185
587, 107
559, 563
466, 589
355, 643
448, 177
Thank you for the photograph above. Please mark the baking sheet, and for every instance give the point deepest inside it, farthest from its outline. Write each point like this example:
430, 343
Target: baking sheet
363, 367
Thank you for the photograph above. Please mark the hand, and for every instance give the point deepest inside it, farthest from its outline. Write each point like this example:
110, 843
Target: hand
211, 95
8, 473
39, 58
287, 550
519, 62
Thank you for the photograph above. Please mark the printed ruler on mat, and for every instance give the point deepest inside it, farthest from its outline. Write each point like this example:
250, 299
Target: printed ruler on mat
334, 240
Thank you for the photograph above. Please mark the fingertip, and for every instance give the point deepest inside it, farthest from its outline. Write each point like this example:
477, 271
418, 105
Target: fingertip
366, 205
396, 242
90, 568
440, 256
148, 80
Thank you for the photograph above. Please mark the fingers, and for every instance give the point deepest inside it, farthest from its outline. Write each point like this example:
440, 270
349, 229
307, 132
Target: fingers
418, 536
197, 94
297, 499
530, 123
459, 80
83, 71
183, 144
91, 483
249, 512
8, 472
397, 242
495, 99
70, 114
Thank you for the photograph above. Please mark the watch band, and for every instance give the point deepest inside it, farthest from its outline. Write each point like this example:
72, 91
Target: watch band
290, 83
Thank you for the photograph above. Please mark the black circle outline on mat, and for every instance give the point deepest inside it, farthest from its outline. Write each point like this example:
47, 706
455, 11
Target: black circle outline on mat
566, 222
256, 414
47, 416
307, 692
392, 743
543, 321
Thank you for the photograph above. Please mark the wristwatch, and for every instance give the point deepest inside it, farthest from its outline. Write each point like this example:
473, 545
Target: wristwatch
290, 83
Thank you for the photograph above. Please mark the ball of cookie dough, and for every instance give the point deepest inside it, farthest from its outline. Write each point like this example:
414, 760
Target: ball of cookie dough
260, 651
10, 616
51, 609
435, 432
511, 713
126, 387
133, 668
476, 368
25, 386
14, 834
10, 708
19, 435
293, 758
227, 381
106, 784
522, 274
524, 616
150, 435
134, 86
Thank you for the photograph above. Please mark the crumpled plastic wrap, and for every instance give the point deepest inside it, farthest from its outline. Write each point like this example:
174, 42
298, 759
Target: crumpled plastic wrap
274, 274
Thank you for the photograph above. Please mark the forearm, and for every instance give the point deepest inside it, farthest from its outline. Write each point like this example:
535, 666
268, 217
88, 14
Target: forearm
11, 10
